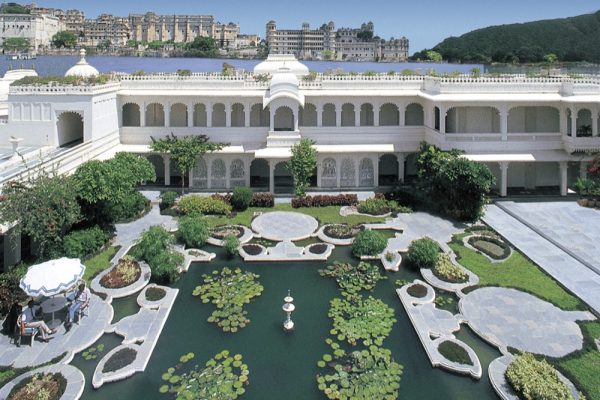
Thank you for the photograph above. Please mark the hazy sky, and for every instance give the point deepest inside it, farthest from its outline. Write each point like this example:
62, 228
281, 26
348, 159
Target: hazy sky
423, 22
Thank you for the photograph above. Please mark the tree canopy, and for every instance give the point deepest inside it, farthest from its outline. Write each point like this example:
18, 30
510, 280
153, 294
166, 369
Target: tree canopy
202, 46
64, 39
13, 8
15, 44
185, 150
302, 165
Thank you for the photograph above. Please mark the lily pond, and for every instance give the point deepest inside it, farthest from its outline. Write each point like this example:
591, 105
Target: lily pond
281, 365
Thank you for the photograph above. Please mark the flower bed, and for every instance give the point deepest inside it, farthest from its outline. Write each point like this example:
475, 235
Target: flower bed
259, 199
342, 231
490, 246
39, 386
252, 249
454, 353
120, 359
220, 232
155, 294
417, 290
325, 200
447, 271
126, 272
318, 248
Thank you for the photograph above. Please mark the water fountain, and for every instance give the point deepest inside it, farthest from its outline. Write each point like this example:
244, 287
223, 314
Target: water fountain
288, 308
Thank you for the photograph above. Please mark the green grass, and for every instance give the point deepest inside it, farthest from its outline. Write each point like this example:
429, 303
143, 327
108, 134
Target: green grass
98, 263
325, 215
583, 367
516, 272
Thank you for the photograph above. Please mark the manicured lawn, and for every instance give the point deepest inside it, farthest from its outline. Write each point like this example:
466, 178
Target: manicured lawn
325, 215
584, 367
516, 272
98, 263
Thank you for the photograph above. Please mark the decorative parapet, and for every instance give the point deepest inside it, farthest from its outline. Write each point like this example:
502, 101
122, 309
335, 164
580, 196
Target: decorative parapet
64, 89
581, 144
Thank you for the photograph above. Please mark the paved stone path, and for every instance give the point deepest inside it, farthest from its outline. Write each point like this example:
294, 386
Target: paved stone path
575, 276
509, 317
284, 225
90, 329
127, 234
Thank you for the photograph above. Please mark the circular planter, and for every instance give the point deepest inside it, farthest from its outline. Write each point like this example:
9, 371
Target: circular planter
74, 377
135, 287
100, 377
318, 248
252, 249
113, 275
417, 291
143, 301
472, 240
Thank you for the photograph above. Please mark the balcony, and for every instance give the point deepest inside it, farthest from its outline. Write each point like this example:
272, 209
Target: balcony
581, 144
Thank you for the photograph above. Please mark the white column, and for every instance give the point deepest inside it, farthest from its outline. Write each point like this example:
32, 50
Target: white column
228, 109
272, 176
338, 115
357, 172
583, 169
442, 119
376, 111
247, 164
563, 177
143, 114
338, 172
504, 123
272, 119
356, 114
167, 110
190, 177
296, 119
319, 168
574, 113
247, 109
503, 178
167, 162
376, 171
320, 115
401, 160
227, 175
402, 114
209, 110
594, 123
190, 115
564, 121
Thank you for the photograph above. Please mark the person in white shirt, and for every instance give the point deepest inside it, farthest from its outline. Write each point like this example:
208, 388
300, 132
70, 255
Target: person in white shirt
80, 299
30, 321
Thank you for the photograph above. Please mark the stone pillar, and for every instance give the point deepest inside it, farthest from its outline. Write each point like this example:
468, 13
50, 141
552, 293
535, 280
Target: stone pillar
272, 176
319, 168
209, 110
503, 178
574, 113
228, 115
338, 115
272, 119
247, 110
402, 114
563, 177
190, 115
594, 123
376, 171
247, 164
442, 119
564, 121
143, 115
376, 111
167, 162
191, 177
356, 114
296, 114
504, 123
320, 115
208, 173
401, 159
357, 173
338, 172
167, 111
583, 169
227, 174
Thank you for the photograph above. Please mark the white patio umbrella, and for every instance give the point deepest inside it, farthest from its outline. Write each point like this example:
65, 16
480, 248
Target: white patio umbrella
52, 277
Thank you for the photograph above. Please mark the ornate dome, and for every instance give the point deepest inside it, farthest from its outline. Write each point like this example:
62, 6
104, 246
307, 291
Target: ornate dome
281, 62
82, 68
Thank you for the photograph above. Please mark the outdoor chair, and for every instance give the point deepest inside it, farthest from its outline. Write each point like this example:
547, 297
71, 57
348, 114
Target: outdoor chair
84, 311
21, 330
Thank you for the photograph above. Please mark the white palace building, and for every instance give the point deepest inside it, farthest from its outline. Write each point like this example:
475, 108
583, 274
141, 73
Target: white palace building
531, 132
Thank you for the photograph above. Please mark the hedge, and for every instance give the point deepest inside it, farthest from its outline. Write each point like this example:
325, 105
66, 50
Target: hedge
203, 205
168, 199
241, 198
259, 199
193, 231
423, 253
368, 243
84, 242
447, 271
325, 200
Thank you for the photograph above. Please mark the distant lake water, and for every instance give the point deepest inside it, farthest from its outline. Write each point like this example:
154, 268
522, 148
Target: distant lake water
58, 65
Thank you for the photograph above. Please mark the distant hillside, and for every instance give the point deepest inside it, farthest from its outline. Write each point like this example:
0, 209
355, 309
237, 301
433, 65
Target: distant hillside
571, 39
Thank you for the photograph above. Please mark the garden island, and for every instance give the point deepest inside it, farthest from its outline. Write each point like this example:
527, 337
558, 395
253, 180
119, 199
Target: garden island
288, 234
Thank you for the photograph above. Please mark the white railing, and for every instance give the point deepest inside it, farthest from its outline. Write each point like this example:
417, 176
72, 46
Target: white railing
573, 144
63, 89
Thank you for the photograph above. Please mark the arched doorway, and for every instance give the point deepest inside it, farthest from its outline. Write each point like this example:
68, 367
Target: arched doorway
283, 179
159, 167
155, 115
259, 174
388, 170
131, 114
70, 129
284, 119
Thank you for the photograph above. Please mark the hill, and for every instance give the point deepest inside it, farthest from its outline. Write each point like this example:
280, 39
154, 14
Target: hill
571, 39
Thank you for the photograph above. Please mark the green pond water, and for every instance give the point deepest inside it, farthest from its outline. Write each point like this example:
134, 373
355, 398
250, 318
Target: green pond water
283, 365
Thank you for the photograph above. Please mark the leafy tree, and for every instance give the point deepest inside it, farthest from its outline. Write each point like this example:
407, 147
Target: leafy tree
551, 58
433, 55
156, 45
302, 164
202, 46
13, 8
327, 54
105, 44
15, 44
64, 39
185, 150
44, 207
451, 184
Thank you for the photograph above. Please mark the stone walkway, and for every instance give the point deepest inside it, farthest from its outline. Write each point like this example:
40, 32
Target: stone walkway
284, 225
509, 317
575, 276
127, 234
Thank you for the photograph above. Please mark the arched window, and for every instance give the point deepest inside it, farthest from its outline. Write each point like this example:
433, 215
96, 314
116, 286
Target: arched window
70, 129
348, 116
178, 115
237, 115
389, 115
199, 115
200, 175
237, 173
347, 173
366, 115
366, 173
131, 114
329, 173
218, 174
155, 115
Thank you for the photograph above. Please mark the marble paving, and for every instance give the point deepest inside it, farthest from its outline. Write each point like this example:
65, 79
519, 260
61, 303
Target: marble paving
574, 275
284, 225
509, 317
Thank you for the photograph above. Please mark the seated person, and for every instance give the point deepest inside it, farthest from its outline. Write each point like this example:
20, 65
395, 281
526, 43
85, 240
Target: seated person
9, 324
29, 319
79, 300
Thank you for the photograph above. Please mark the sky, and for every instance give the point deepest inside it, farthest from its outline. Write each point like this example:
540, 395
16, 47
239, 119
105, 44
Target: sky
424, 22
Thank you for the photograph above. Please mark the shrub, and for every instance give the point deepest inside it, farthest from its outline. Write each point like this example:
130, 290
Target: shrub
193, 231
9, 287
231, 244
368, 243
204, 205
154, 247
446, 270
491, 246
325, 200
168, 199
130, 207
85, 242
241, 198
534, 379
165, 266
124, 274
262, 199
375, 206
423, 253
